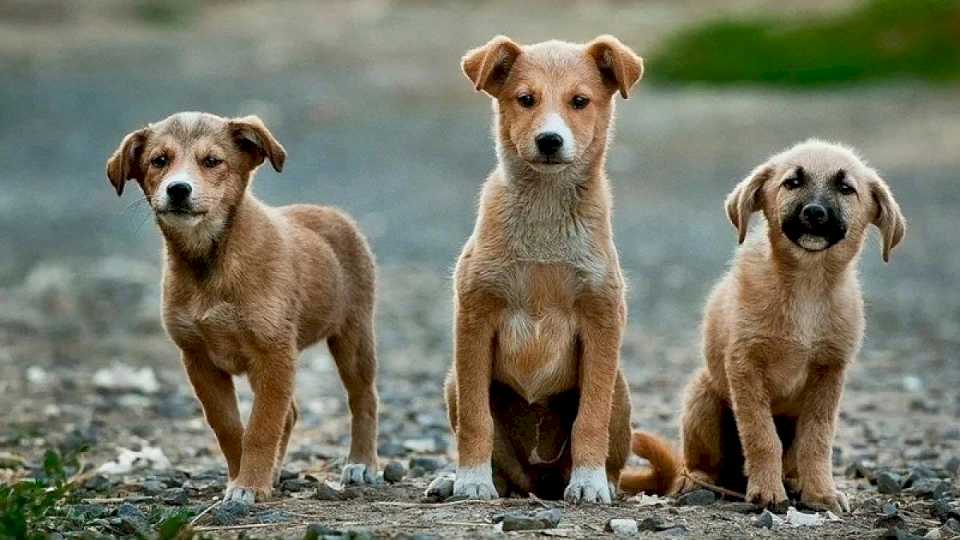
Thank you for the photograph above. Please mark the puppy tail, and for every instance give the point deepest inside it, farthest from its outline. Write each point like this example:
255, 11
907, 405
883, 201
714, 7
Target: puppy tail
665, 470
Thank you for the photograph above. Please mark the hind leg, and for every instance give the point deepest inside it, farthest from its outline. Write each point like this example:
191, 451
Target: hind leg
292, 416
702, 432
620, 433
508, 472
355, 356
791, 472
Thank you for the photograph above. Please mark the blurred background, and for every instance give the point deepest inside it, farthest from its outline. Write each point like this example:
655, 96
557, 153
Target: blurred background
368, 98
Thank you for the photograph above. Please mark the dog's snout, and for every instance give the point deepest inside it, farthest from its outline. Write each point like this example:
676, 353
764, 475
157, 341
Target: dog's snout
549, 143
179, 191
814, 214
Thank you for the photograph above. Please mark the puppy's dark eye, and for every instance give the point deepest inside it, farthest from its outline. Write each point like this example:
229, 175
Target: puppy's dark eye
211, 162
526, 101
794, 182
579, 102
840, 180
159, 161
845, 188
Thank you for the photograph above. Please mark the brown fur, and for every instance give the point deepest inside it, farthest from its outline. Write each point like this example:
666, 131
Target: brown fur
246, 287
539, 295
780, 330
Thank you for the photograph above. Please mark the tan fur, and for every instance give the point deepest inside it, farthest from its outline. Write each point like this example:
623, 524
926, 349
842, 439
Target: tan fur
539, 295
247, 287
780, 330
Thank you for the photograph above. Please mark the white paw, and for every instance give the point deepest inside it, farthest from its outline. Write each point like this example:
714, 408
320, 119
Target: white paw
358, 474
588, 485
475, 483
240, 495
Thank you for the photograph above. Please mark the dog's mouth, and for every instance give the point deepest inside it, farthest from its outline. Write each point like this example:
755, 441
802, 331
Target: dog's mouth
181, 216
812, 242
814, 239
550, 161
181, 212
548, 165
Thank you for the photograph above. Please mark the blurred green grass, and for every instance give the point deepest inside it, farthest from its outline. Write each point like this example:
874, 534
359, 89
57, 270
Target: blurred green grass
882, 39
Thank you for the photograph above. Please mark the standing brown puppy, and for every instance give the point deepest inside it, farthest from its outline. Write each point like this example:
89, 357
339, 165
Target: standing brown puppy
780, 330
539, 296
246, 287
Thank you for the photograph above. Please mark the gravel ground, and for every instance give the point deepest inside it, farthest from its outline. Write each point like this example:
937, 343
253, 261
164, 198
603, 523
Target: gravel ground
404, 148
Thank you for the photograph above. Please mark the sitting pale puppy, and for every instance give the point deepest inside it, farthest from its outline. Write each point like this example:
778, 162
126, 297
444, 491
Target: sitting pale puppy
780, 330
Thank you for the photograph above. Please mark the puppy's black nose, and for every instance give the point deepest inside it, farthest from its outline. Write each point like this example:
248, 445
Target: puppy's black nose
178, 191
814, 214
549, 143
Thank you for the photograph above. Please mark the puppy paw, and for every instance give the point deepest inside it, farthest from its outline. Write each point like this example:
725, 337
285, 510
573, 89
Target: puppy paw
766, 493
244, 494
475, 483
588, 485
835, 502
358, 474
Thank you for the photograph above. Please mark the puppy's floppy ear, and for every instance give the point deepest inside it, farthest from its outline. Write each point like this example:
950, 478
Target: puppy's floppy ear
124, 164
619, 66
254, 138
888, 218
744, 200
488, 66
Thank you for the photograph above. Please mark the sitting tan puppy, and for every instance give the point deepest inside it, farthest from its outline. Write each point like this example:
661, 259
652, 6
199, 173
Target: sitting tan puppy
536, 396
780, 330
246, 287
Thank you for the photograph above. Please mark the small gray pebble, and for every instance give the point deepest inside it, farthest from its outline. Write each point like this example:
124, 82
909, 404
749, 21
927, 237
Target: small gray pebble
326, 493
394, 472
918, 473
700, 497
441, 487
622, 526
228, 513
131, 520
888, 483
765, 520
527, 521
931, 488
890, 519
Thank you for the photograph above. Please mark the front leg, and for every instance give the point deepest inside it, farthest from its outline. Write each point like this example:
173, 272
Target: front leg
816, 427
473, 360
272, 382
214, 388
600, 335
762, 449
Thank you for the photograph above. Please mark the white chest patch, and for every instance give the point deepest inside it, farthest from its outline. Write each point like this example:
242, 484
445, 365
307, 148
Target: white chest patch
518, 331
808, 318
